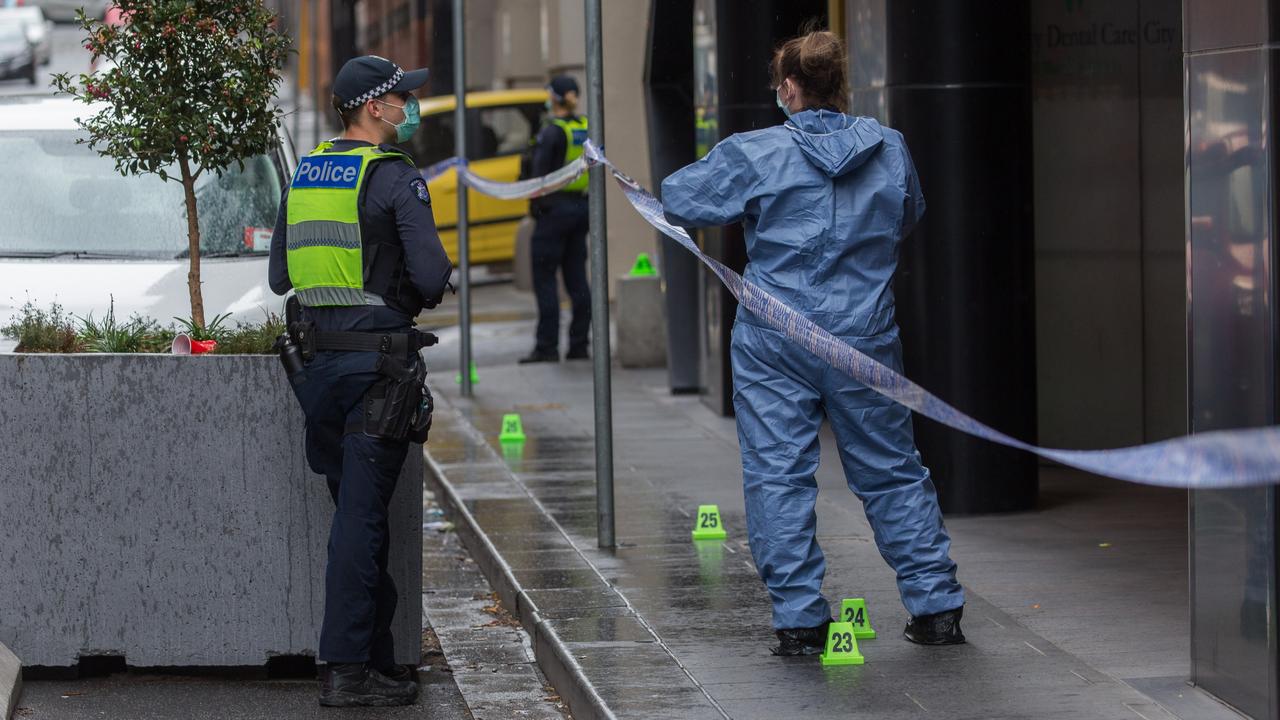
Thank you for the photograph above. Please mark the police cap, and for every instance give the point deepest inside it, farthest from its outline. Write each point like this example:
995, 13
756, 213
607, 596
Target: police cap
367, 77
562, 85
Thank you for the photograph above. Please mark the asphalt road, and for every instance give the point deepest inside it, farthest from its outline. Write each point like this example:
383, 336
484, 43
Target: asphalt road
68, 56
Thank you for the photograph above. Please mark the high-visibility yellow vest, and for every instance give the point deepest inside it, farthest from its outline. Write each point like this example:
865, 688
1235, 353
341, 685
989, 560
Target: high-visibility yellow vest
575, 133
325, 253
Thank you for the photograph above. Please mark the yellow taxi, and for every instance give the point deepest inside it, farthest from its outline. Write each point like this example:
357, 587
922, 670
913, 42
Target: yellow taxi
500, 125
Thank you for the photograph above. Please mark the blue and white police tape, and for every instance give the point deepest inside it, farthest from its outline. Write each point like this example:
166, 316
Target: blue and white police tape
519, 190
431, 172
1224, 459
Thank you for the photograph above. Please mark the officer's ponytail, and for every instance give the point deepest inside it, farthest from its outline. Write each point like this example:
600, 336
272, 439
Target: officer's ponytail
818, 63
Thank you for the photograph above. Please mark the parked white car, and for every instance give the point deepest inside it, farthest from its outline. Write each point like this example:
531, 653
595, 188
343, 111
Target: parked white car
39, 29
65, 10
76, 232
17, 55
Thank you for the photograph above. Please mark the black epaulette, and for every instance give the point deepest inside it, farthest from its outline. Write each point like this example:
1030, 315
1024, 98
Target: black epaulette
390, 148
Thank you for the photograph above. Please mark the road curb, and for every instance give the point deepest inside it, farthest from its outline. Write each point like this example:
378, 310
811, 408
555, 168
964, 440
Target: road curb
10, 682
553, 656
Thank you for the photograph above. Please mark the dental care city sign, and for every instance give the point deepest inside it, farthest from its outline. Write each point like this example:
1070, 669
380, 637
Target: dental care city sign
338, 171
1105, 34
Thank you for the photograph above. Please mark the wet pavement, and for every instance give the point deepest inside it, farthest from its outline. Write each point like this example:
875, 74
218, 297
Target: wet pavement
490, 657
502, 331
141, 696
663, 627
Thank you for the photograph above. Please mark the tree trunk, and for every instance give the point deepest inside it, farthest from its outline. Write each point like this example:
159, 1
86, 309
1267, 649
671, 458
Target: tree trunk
193, 242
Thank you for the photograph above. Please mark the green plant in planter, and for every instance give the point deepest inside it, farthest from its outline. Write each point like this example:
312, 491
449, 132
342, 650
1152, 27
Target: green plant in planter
54, 330
251, 338
190, 90
109, 335
213, 331
44, 331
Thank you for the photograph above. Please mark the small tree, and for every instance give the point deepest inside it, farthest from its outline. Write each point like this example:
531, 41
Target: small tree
191, 88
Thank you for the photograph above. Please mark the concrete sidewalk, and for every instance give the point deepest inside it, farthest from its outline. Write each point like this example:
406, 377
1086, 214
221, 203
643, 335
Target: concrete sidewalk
1077, 610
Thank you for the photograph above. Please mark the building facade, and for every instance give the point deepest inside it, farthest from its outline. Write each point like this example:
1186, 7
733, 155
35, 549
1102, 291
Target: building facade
1095, 268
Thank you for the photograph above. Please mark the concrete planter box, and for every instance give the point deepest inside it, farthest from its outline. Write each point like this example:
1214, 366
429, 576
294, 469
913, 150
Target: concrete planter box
161, 508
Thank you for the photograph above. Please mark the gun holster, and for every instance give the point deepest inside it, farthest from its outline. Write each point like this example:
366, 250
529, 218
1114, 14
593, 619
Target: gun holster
399, 406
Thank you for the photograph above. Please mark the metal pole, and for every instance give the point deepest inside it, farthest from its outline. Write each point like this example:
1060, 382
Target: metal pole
314, 17
294, 122
460, 149
599, 284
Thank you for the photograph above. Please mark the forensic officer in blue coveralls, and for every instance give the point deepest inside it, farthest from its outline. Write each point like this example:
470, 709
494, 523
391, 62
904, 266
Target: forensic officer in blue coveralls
826, 200
356, 241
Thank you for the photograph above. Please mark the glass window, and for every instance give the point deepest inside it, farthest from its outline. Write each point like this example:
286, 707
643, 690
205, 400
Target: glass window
705, 88
434, 142
63, 197
491, 132
505, 130
12, 34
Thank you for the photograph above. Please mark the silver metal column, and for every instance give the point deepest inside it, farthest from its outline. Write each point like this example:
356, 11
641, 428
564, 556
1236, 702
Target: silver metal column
295, 122
313, 15
460, 149
599, 283
1230, 68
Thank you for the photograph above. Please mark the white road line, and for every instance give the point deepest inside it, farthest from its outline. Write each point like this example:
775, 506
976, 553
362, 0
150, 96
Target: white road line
1033, 647
917, 702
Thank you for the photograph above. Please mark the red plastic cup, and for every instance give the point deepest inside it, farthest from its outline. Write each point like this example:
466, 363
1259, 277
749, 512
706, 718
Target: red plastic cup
184, 345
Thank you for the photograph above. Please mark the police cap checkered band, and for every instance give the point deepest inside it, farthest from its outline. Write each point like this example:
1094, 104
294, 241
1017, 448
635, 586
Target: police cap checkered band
375, 92
368, 77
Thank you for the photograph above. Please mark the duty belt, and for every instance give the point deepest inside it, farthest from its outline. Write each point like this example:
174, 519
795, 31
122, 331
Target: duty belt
386, 343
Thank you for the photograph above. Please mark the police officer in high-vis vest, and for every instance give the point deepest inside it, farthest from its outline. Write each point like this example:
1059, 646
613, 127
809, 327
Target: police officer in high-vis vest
560, 233
356, 242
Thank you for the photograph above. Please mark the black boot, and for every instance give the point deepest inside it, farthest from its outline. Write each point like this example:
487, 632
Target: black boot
399, 673
578, 353
540, 356
939, 629
357, 685
802, 641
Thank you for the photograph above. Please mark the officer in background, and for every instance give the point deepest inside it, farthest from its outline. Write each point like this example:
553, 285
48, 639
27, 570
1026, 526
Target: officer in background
356, 241
560, 233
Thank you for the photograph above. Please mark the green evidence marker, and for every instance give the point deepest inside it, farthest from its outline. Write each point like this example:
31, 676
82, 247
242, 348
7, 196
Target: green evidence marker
854, 612
512, 429
643, 266
842, 646
475, 376
707, 524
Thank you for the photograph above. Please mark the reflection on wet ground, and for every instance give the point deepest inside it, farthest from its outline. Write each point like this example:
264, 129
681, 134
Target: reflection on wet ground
664, 627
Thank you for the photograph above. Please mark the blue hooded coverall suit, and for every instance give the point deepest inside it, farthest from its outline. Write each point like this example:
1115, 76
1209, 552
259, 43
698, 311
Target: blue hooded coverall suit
826, 200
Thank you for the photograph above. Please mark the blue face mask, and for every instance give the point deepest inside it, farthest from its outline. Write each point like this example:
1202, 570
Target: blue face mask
781, 105
407, 127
